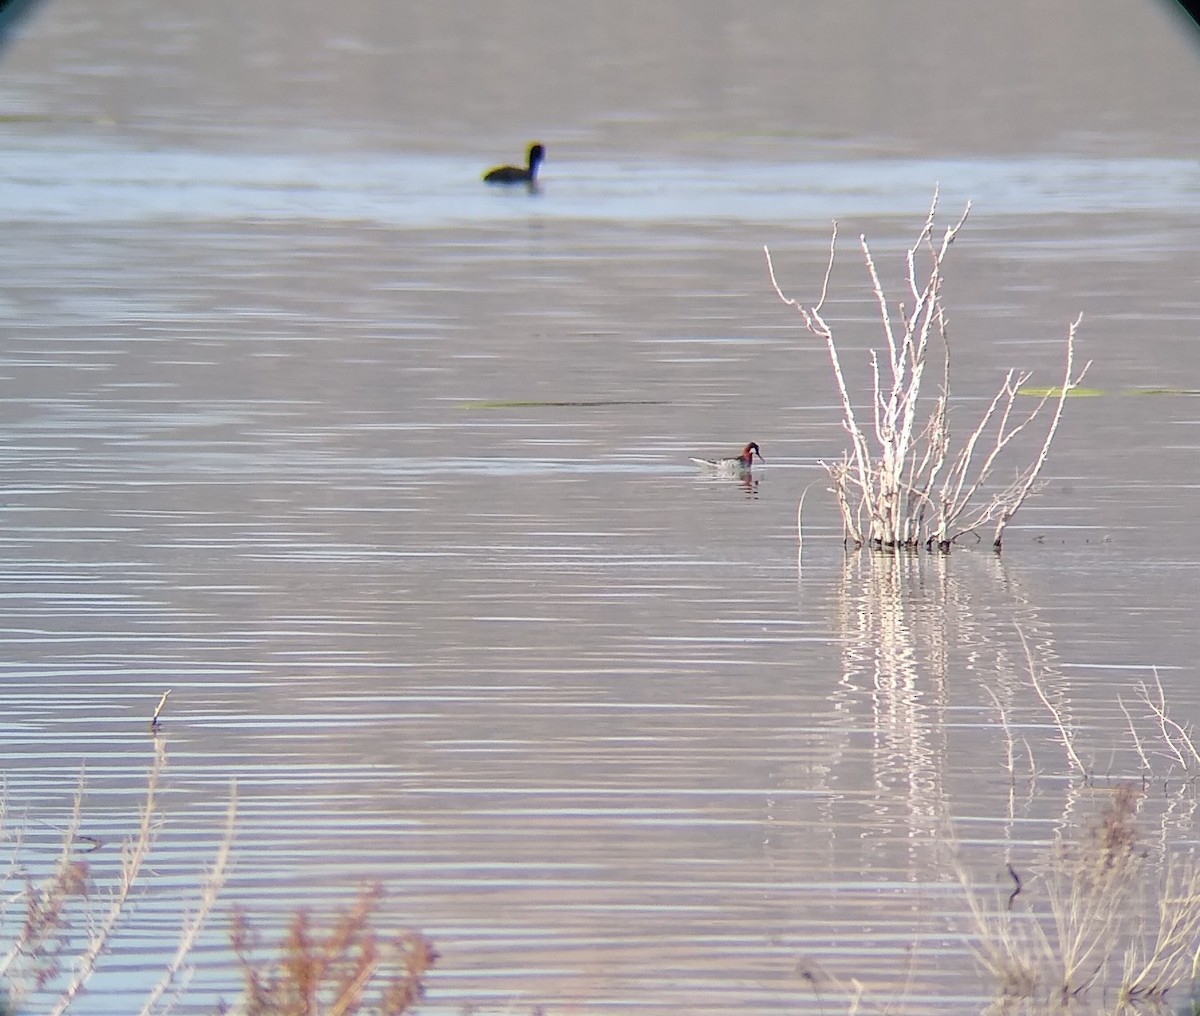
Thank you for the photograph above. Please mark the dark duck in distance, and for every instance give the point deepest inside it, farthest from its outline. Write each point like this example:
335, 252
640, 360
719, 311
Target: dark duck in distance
515, 174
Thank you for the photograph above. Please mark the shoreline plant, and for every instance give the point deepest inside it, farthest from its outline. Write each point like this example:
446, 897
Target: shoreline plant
1108, 922
59, 925
903, 485
69, 918
350, 968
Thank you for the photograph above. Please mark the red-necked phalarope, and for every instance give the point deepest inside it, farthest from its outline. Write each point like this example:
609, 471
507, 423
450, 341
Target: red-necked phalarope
736, 465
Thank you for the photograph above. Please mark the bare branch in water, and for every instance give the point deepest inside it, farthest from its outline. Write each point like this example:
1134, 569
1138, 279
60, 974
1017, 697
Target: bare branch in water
902, 486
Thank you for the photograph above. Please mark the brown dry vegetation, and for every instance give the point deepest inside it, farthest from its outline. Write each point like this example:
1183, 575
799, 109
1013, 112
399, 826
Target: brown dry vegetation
348, 969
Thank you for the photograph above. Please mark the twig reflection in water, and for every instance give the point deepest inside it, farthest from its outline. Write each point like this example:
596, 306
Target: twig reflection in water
1109, 907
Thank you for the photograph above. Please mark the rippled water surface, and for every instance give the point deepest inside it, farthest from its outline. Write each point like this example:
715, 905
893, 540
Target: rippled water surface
384, 475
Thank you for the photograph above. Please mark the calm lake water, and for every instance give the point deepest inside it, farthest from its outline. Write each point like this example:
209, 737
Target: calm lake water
384, 474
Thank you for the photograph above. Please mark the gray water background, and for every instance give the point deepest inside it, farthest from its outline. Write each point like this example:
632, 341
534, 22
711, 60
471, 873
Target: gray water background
385, 474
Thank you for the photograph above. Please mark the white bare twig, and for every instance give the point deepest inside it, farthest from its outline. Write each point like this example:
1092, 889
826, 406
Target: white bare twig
1069, 382
887, 485
816, 324
162, 703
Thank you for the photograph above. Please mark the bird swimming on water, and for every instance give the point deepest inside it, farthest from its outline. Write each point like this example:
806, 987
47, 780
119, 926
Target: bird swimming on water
736, 465
515, 174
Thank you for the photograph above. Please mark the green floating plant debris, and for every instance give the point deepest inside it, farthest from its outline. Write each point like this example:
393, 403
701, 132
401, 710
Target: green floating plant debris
1054, 391
1164, 391
552, 403
50, 117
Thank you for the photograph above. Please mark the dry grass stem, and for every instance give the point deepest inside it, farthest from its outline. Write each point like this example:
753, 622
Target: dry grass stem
1054, 955
177, 973
133, 853
36, 955
1154, 964
68, 923
1101, 925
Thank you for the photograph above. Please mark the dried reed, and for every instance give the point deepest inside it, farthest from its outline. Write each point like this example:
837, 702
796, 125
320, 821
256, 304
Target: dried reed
351, 968
67, 924
70, 917
1101, 927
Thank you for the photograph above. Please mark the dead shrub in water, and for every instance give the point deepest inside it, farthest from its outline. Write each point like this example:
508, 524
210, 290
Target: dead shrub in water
905, 487
333, 974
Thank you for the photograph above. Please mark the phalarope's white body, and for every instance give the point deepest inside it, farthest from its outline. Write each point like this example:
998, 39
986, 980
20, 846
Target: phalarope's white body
735, 466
